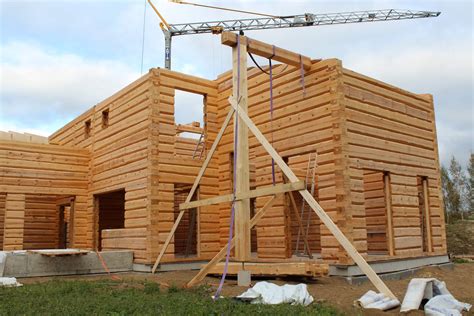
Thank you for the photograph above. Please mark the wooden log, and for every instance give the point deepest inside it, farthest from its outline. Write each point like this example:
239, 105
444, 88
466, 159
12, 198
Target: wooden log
266, 50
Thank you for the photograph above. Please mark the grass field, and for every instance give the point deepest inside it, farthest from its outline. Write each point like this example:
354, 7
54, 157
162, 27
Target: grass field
108, 297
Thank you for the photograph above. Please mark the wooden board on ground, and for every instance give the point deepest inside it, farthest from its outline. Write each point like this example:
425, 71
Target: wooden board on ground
308, 269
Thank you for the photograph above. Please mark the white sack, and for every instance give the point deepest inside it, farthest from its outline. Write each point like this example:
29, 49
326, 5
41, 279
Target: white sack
9, 282
3, 259
269, 293
441, 302
377, 301
441, 305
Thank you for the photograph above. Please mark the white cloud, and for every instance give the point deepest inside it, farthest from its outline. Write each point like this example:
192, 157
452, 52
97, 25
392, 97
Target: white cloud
38, 85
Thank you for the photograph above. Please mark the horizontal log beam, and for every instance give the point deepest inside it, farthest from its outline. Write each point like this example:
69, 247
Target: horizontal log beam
181, 128
270, 190
266, 50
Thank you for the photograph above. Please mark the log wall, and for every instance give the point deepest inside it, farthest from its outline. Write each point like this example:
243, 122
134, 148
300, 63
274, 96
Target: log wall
392, 130
119, 160
31, 170
41, 222
171, 163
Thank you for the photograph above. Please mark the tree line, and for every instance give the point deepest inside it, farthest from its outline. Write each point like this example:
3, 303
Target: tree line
458, 189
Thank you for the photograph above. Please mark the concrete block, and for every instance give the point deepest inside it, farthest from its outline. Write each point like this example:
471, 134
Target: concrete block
244, 278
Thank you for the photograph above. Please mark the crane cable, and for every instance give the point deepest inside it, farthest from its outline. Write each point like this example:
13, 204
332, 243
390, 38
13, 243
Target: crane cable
221, 8
143, 38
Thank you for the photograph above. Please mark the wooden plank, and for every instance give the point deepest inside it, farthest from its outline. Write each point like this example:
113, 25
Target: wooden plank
266, 50
343, 241
220, 255
269, 190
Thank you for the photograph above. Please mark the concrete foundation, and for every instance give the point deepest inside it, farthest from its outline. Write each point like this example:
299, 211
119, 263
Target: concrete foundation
389, 270
31, 264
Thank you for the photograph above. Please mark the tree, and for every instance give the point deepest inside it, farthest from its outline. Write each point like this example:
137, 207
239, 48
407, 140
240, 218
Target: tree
470, 173
458, 180
450, 197
461, 186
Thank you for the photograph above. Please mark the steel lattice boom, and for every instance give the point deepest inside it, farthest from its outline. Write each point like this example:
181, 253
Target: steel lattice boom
307, 19
264, 23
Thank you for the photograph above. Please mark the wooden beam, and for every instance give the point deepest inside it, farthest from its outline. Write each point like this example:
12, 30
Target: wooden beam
194, 187
221, 254
388, 205
266, 50
427, 214
343, 241
181, 128
242, 169
267, 190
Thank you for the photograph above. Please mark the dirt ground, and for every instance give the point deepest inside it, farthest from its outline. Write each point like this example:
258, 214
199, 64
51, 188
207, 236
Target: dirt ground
334, 291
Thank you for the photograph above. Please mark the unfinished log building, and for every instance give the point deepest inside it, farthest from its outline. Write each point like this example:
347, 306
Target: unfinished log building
113, 177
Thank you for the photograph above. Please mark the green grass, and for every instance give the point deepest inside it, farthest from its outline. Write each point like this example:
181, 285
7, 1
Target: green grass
107, 297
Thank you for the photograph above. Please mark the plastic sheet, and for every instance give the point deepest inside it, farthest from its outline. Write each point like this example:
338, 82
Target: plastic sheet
269, 293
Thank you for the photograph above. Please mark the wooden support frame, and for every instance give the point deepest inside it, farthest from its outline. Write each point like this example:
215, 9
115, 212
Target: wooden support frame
267, 50
242, 233
343, 241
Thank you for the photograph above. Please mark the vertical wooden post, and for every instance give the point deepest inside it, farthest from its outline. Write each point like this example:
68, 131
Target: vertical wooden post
242, 184
96, 233
388, 206
14, 222
426, 197
71, 223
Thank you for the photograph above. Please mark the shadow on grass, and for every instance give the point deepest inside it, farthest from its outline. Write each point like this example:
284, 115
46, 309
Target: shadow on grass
107, 297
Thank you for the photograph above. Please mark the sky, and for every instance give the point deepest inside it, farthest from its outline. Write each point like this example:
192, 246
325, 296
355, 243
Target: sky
60, 57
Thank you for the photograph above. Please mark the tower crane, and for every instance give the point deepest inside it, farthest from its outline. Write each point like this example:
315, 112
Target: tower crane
266, 22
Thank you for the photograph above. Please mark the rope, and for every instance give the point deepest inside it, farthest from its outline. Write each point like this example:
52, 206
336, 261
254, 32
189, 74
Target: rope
232, 213
225, 9
263, 70
113, 277
143, 38
271, 108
